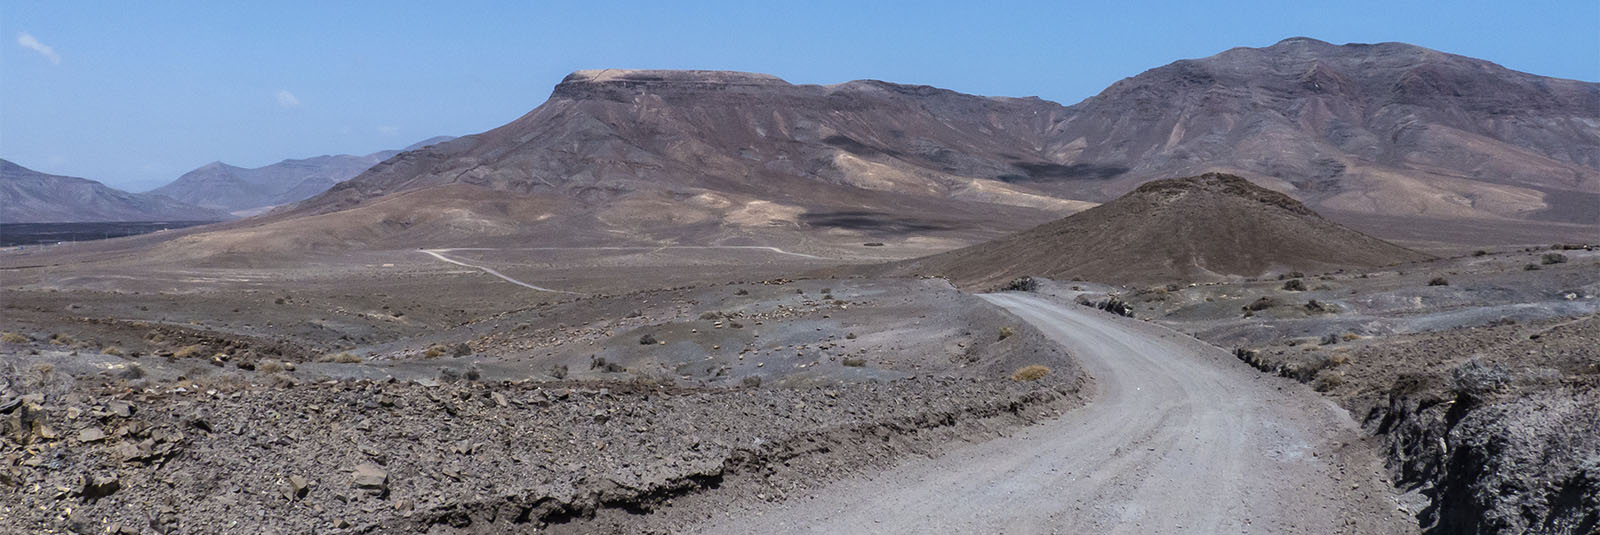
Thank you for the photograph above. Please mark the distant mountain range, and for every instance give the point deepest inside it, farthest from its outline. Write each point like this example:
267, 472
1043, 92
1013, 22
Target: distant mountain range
242, 190
28, 196
1393, 139
1420, 140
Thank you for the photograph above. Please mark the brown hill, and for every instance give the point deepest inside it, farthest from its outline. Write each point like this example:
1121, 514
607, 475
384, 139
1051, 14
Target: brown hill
1411, 143
1387, 129
1201, 228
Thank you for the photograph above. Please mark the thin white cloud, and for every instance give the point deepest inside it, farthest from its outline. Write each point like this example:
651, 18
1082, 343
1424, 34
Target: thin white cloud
287, 99
29, 42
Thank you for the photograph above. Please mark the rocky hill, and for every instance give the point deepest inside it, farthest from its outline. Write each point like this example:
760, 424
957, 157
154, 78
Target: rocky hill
28, 196
1388, 129
230, 188
1201, 228
1401, 141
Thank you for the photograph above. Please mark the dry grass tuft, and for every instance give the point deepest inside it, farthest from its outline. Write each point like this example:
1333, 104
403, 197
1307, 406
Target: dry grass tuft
14, 338
1030, 373
342, 358
189, 351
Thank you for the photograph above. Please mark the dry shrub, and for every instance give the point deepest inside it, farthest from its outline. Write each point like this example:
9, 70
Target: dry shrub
112, 350
342, 358
13, 338
269, 366
1030, 373
855, 363
433, 352
189, 351
61, 339
1007, 332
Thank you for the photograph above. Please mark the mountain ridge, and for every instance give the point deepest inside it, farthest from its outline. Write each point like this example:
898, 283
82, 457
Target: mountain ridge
30, 196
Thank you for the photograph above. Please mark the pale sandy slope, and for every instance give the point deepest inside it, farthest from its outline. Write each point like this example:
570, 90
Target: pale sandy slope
1179, 438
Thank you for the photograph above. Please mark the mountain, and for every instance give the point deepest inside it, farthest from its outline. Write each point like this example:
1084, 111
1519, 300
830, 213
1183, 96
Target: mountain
1203, 228
28, 196
237, 189
1387, 129
1397, 140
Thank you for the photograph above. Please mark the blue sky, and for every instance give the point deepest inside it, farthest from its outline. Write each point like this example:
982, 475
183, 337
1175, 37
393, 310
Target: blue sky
136, 93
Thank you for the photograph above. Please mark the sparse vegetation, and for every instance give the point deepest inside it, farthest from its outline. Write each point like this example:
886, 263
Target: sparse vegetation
62, 339
433, 352
741, 291
1480, 252
189, 351
1531, 267
854, 362
648, 340
1295, 285
345, 357
1007, 332
710, 315
558, 371
13, 338
112, 350
1553, 258
600, 363
1030, 373
1438, 281
462, 350
269, 366
850, 336
1021, 284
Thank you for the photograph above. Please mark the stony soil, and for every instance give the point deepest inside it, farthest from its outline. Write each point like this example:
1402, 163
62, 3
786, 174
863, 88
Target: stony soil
361, 456
1482, 388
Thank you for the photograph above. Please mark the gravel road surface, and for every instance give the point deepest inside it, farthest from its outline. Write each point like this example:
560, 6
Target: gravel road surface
1179, 437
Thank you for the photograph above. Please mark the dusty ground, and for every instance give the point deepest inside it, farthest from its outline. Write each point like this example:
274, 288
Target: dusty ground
394, 392
702, 380
1478, 373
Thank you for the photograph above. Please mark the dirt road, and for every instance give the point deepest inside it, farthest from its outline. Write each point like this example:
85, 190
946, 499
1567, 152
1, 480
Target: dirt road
1179, 437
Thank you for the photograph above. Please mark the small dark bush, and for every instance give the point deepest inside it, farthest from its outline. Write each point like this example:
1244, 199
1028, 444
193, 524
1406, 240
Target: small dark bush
1438, 281
462, 350
648, 340
1261, 304
854, 362
473, 373
1531, 267
1021, 284
1553, 258
1295, 285
753, 381
559, 371
1480, 252
741, 291
600, 363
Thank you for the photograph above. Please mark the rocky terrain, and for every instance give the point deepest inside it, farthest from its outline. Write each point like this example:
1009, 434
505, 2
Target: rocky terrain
1478, 373
318, 410
33, 197
245, 190
1385, 129
1204, 228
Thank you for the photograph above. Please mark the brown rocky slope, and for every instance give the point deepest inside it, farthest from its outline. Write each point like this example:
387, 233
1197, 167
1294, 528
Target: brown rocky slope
1206, 227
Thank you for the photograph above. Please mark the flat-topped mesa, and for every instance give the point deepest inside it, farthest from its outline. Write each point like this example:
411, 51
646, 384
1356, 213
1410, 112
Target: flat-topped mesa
614, 84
